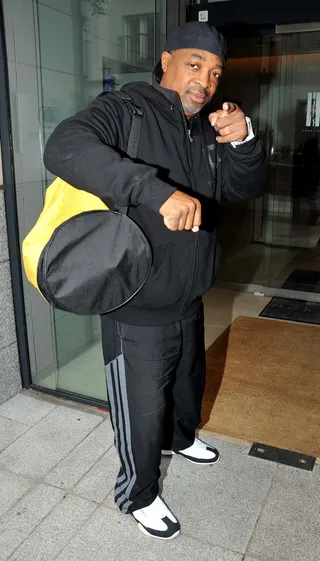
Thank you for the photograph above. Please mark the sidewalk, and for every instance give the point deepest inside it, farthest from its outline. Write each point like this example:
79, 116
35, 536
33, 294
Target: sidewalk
57, 472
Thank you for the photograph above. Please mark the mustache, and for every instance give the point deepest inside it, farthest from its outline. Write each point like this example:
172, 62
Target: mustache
198, 89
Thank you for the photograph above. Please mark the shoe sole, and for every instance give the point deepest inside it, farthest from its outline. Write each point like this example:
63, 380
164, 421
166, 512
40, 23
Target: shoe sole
144, 531
208, 463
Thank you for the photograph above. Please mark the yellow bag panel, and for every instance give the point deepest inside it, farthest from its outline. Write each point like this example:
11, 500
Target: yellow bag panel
62, 201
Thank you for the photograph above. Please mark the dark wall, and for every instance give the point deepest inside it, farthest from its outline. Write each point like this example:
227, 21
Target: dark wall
256, 13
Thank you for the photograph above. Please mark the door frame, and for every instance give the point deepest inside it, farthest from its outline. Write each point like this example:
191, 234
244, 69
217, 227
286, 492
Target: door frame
9, 187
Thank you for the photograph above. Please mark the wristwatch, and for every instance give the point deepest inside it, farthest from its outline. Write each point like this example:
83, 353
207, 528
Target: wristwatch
249, 137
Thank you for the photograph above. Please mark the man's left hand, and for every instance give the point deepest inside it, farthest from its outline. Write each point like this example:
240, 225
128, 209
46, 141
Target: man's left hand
230, 123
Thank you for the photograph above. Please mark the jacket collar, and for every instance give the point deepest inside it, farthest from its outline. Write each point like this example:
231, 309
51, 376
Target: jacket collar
175, 100
171, 95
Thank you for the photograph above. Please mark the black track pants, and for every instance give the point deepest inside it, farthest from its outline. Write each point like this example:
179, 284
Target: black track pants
155, 382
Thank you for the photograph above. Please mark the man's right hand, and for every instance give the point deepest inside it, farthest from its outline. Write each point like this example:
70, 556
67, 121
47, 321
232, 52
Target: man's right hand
181, 212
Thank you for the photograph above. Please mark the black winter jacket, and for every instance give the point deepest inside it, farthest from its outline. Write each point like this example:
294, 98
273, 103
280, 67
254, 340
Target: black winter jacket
89, 152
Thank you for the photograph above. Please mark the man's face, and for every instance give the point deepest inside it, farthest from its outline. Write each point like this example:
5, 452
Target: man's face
194, 74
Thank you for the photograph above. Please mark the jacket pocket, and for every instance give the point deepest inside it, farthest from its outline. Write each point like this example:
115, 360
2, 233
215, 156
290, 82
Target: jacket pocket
170, 276
206, 266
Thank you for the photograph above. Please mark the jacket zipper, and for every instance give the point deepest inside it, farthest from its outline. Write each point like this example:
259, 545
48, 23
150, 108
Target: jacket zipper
193, 186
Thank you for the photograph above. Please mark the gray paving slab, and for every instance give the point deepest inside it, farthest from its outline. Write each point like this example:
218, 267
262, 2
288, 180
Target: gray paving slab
26, 410
10, 431
48, 442
12, 488
289, 526
19, 521
70, 470
109, 500
55, 531
254, 559
220, 503
100, 480
112, 535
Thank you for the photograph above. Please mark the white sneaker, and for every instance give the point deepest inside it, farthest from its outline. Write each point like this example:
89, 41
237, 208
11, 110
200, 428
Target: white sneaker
198, 453
157, 521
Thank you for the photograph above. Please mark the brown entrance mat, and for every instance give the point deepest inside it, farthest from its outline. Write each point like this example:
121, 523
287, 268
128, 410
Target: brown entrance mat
263, 384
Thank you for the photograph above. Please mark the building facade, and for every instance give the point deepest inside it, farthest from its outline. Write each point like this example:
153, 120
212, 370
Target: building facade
57, 56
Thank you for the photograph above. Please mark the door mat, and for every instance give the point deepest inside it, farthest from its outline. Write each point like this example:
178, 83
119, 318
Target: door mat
263, 384
296, 310
292, 310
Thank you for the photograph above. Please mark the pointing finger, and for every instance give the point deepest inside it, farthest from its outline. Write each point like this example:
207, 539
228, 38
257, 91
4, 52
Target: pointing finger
214, 117
229, 107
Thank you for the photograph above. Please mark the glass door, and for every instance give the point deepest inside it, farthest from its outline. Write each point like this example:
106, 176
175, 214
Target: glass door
65, 53
110, 44
294, 232
274, 242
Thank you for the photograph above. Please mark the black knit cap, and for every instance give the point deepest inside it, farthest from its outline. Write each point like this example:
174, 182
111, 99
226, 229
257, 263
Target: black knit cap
195, 35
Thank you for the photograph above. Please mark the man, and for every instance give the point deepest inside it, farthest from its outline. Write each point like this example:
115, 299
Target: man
154, 346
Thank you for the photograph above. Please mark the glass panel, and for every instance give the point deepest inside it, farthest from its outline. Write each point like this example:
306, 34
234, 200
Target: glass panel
111, 43
244, 261
295, 164
65, 53
275, 80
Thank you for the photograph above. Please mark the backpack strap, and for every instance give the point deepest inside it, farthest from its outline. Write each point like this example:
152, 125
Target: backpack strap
137, 114
134, 136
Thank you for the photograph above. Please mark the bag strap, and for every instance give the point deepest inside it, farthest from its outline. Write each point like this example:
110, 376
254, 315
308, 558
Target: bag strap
134, 136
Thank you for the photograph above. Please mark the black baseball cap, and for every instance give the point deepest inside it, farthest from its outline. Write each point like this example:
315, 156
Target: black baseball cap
195, 35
